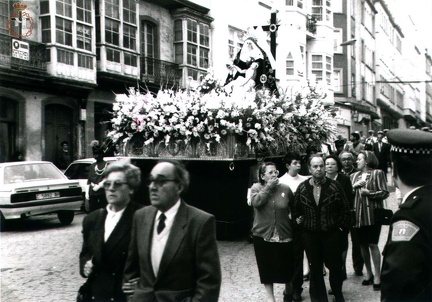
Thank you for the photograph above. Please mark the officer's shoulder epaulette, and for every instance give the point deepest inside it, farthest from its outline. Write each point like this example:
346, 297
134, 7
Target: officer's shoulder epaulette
410, 202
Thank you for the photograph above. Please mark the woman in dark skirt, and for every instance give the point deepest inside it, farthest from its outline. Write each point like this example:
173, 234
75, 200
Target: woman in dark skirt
272, 230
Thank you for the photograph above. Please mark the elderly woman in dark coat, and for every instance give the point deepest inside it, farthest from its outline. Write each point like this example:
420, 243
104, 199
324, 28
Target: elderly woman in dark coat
106, 235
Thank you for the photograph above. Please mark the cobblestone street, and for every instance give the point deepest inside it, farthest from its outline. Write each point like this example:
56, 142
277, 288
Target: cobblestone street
39, 262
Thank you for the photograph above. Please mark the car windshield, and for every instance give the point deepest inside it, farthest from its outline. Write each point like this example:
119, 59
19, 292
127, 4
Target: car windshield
78, 171
31, 172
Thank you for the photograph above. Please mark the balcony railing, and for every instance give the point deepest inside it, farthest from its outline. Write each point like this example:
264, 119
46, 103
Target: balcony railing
36, 59
161, 73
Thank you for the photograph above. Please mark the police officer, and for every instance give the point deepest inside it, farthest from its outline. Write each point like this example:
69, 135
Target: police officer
407, 264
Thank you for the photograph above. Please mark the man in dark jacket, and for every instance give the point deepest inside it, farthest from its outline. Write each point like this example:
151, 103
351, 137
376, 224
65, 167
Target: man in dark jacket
322, 210
407, 265
382, 152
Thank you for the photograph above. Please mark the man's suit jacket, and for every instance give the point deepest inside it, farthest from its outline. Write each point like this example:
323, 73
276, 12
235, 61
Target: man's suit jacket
383, 156
109, 258
189, 269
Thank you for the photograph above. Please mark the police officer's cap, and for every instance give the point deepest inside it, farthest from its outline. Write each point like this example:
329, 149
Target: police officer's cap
410, 142
380, 132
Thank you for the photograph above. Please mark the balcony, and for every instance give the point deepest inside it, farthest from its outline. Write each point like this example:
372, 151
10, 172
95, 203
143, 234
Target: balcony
36, 63
311, 22
158, 73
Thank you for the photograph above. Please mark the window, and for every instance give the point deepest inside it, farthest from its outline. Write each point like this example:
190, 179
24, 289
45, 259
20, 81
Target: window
84, 11
337, 80
191, 55
130, 59
84, 37
148, 39
204, 35
192, 31
112, 29
112, 9
367, 17
113, 55
64, 8
129, 37
64, 56
178, 30
192, 45
329, 70
321, 10
289, 67
129, 11
44, 6
46, 30
85, 61
63, 31
337, 40
317, 67
235, 42
204, 58
289, 2
4, 16
320, 70
178, 53
353, 85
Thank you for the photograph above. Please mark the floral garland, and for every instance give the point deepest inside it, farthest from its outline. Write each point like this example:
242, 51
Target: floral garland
259, 119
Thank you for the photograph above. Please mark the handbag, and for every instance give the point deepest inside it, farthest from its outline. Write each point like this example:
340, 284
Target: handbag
383, 216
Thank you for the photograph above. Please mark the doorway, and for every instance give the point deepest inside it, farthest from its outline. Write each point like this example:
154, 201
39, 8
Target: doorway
58, 127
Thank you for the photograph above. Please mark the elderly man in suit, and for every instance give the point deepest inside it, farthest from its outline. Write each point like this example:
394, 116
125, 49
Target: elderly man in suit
382, 152
173, 255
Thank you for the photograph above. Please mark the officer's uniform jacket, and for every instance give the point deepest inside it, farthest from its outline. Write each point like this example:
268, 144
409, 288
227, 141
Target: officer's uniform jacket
407, 264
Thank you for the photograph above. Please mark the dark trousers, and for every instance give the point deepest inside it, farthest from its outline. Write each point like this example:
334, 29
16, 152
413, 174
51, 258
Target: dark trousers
356, 252
324, 247
297, 280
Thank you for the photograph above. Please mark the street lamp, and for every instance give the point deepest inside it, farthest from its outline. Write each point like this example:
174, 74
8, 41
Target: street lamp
349, 42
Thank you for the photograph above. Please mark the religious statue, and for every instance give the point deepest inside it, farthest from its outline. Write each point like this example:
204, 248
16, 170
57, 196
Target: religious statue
253, 66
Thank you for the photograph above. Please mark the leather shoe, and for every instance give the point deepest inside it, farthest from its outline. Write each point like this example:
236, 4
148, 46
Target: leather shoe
330, 291
368, 281
377, 287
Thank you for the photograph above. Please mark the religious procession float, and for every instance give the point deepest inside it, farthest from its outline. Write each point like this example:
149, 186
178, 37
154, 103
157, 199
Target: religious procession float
218, 129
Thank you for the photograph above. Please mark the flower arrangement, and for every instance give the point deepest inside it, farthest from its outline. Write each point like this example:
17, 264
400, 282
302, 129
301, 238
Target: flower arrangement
258, 119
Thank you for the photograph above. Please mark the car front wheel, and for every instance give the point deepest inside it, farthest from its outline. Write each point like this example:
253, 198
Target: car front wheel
66, 217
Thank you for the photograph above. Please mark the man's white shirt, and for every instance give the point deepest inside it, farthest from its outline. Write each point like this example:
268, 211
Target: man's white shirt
292, 182
159, 240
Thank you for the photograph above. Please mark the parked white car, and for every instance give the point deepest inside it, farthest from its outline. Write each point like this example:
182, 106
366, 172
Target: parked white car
29, 188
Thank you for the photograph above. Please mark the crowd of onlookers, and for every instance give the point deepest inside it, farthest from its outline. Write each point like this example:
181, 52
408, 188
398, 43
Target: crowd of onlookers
323, 199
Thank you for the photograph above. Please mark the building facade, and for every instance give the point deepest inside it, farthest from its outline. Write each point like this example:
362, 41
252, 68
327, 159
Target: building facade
62, 62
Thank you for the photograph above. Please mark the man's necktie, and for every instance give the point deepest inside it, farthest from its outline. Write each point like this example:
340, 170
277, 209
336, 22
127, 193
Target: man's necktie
161, 224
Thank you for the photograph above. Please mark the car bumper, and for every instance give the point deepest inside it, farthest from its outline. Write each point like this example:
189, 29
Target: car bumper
24, 209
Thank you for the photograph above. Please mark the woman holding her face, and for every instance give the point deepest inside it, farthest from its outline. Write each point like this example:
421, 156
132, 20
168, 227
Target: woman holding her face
272, 230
